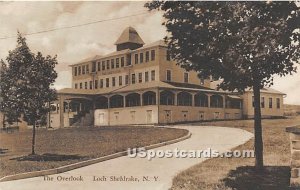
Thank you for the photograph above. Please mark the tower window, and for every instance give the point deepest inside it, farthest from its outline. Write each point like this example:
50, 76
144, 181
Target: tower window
101, 83
122, 61
141, 57
133, 79
75, 71
107, 82
103, 65
117, 63
168, 75
112, 61
126, 79
153, 75
140, 77
136, 58
107, 64
147, 56
120, 80
99, 66
152, 55
114, 81
146, 76
186, 77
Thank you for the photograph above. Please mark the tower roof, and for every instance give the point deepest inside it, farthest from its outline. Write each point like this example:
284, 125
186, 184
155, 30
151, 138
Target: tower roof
129, 35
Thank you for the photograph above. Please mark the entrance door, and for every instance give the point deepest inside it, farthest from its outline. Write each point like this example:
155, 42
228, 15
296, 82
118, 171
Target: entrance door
149, 116
132, 114
168, 117
101, 118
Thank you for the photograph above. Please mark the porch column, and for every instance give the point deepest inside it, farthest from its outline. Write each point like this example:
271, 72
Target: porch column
80, 106
61, 111
157, 97
224, 101
208, 100
108, 102
124, 101
141, 99
175, 99
193, 100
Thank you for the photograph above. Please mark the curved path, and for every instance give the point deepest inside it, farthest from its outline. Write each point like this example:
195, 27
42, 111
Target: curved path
160, 171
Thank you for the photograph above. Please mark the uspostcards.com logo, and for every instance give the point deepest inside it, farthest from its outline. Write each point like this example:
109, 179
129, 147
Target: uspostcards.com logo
176, 153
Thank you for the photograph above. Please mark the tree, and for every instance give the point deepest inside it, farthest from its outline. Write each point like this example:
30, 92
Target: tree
29, 79
243, 43
9, 110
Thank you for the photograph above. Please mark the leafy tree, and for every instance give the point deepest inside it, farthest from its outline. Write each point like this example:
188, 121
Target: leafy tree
29, 79
243, 43
9, 110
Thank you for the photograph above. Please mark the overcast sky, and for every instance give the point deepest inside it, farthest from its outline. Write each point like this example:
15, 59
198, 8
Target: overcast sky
73, 45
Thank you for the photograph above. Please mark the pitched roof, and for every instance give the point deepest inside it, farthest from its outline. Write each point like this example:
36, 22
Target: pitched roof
267, 90
129, 35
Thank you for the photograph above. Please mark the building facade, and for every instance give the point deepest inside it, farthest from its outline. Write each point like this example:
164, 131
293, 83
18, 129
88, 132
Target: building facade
140, 84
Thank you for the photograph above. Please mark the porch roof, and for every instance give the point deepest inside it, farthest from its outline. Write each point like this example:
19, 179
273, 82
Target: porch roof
141, 86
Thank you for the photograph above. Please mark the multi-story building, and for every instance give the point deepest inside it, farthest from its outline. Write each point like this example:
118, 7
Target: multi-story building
141, 84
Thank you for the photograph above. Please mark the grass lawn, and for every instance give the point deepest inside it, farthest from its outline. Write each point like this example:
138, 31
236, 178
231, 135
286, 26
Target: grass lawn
69, 145
238, 173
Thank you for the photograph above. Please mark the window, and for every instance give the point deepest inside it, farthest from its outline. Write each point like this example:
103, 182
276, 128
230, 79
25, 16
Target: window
152, 55
93, 67
122, 61
133, 79
201, 100
126, 79
128, 59
136, 58
87, 69
96, 84
103, 65
114, 81
120, 80
184, 99
107, 64
75, 71
278, 103
99, 66
101, 83
76, 85
216, 101
117, 62
140, 77
262, 102
147, 56
85, 85
79, 70
112, 61
168, 75
253, 104
270, 103
168, 56
107, 82
80, 85
153, 75
146, 76
83, 69
141, 57
186, 77
91, 84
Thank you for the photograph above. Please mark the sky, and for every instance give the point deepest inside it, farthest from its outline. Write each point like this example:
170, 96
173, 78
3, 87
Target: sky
75, 44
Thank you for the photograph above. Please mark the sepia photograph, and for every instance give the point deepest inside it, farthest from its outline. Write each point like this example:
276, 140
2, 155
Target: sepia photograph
150, 95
